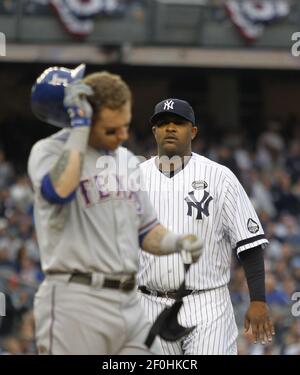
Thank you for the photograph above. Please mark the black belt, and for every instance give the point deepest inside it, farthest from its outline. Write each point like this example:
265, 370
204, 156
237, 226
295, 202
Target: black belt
125, 285
168, 294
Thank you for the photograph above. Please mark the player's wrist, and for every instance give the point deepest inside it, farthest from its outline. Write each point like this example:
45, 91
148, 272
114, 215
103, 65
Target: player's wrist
77, 105
78, 117
170, 243
78, 139
81, 122
258, 302
259, 298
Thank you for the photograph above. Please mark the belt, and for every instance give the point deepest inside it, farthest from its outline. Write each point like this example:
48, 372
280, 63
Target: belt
126, 284
168, 294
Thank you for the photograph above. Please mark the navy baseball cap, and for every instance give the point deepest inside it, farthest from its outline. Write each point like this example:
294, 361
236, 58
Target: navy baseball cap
177, 107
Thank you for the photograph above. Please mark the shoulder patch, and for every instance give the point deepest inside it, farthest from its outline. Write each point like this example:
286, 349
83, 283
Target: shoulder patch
252, 226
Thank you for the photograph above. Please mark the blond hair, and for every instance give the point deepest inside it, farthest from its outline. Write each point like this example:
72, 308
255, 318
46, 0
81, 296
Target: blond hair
110, 91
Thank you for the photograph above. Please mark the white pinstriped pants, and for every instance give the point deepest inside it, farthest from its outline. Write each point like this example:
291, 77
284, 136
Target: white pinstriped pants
212, 313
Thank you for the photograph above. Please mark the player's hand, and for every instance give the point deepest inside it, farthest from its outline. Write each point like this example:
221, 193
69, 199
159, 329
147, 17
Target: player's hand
79, 109
192, 245
258, 318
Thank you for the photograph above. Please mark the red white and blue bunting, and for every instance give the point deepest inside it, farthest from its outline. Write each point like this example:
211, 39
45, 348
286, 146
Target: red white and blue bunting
251, 16
77, 16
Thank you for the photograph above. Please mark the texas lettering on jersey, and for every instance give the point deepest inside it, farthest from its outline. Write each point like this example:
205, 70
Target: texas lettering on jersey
95, 190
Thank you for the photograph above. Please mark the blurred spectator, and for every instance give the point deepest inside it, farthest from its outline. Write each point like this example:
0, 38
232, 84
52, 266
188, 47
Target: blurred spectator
284, 199
270, 147
289, 285
274, 295
225, 157
28, 271
292, 346
260, 193
292, 235
6, 171
21, 194
293, 161
295, 266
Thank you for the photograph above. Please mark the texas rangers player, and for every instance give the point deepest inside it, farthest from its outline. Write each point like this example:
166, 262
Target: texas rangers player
90, 218
194, 194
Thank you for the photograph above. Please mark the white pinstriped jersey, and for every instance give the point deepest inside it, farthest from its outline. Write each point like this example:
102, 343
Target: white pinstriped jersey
204, 198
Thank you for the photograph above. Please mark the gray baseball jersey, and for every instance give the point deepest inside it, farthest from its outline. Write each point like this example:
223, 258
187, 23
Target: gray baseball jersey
97, 233
206, 199
99, 230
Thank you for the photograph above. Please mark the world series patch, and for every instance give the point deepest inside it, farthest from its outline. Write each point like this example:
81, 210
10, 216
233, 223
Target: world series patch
199, 185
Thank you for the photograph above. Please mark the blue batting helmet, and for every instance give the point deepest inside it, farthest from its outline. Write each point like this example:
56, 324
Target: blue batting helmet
47, 94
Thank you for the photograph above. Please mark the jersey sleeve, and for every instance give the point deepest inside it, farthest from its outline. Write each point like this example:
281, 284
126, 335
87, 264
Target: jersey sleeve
42, 158
148, 217
240, 221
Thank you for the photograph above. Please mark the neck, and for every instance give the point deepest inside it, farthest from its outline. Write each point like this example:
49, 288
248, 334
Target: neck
171, 161
172, 164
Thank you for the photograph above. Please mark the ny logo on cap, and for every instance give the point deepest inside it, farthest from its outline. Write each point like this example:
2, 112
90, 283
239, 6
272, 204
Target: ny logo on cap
168, 104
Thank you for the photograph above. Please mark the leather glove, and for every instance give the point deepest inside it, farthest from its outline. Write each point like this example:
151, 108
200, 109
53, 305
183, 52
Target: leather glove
79, 109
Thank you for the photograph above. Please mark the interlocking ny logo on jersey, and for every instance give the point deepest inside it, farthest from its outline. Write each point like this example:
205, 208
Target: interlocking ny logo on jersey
201, 207
168, 105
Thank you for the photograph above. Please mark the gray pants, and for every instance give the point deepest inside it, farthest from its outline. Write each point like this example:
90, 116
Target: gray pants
78, 319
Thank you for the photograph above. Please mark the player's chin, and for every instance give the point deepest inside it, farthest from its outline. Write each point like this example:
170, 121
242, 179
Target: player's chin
170, 149
112, 147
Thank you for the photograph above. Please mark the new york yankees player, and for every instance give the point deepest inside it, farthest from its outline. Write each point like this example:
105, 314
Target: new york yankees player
194, 194
89, 231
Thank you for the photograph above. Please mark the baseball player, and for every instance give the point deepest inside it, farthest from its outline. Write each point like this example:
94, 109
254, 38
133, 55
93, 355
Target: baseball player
194, 194
91, 218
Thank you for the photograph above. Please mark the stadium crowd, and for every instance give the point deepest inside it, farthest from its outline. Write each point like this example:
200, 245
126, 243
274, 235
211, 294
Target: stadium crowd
269, 169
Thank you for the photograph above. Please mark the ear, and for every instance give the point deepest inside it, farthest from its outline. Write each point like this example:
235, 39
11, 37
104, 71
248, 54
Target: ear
194, 132
154, 130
